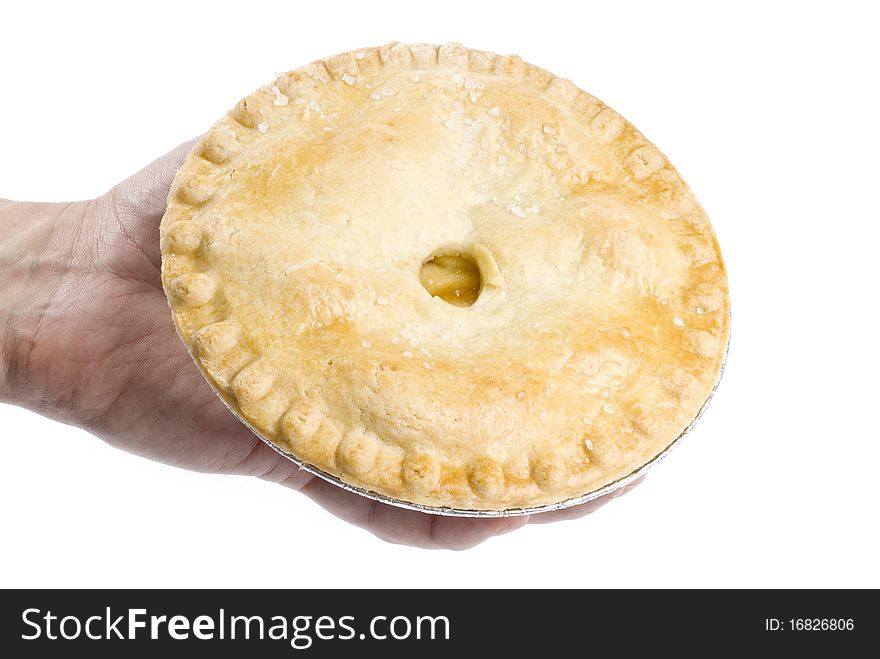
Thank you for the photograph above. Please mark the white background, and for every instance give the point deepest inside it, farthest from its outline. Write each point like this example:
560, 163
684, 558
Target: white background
769, 110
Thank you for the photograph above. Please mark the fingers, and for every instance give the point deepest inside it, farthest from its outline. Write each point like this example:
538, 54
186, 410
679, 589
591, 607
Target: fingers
392, 524
576, 512
264, 462
408, 527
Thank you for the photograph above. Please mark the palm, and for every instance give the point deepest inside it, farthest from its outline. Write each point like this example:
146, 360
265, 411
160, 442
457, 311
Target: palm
119, 369
125, 376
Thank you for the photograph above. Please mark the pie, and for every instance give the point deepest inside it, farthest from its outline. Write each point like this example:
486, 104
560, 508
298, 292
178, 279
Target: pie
445, 277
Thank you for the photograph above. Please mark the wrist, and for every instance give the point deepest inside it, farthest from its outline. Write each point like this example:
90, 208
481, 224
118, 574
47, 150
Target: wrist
37, 243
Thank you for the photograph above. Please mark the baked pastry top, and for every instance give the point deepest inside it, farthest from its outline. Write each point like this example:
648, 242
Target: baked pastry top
445, 276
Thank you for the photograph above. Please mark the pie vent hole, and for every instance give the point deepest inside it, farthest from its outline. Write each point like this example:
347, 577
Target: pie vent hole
453, 276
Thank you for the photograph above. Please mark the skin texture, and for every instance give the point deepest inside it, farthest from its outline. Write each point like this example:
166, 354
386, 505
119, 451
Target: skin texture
86, 338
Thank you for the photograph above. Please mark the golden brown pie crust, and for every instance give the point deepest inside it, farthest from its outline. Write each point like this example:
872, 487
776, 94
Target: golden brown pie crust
295, 234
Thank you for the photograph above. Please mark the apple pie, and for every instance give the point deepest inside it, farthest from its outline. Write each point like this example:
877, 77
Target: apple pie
446, 277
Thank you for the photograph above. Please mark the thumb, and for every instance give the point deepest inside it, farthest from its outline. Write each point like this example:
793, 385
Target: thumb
144, 194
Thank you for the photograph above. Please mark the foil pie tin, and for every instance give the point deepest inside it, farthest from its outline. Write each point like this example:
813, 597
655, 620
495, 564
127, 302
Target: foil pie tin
507, 512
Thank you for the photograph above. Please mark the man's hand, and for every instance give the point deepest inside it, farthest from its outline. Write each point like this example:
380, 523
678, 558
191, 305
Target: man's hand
86, 338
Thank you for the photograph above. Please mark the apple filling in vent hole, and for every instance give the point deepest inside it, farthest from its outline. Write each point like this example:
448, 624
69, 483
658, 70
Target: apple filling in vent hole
453, 277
